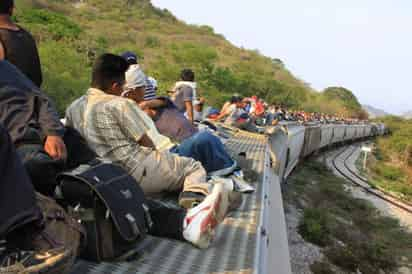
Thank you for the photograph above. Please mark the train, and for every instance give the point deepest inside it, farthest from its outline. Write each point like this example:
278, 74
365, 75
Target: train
288, 144
300, 141
253, 238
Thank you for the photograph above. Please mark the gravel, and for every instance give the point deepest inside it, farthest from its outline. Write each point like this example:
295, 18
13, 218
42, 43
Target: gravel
302, 254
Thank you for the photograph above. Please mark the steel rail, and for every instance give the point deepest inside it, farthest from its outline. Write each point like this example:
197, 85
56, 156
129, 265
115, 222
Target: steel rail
384, 195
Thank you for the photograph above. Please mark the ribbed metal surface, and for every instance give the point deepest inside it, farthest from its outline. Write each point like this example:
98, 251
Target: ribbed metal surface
234, 246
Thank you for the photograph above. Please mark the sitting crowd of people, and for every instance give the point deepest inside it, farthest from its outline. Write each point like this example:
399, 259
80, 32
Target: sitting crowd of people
250, 113
155, 139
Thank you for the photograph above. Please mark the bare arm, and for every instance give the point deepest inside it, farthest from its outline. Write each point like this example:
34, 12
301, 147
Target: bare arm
155, 103
221, 115
2, 52
189, 110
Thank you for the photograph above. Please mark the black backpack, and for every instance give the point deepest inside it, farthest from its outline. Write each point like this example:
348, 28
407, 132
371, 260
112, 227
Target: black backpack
43, 169
110, 205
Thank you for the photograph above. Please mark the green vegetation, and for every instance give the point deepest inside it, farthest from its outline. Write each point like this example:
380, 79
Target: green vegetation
353, 235
314, 226
390, 168
71, 34
43, 21
346, 98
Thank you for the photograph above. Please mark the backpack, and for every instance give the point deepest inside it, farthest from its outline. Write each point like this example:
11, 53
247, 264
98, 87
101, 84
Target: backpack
110, 205
42, 168
56, 236
60, 231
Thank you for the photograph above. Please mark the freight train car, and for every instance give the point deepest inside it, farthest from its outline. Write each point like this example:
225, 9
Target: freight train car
338, 133
296, 139
326, 135
312, 141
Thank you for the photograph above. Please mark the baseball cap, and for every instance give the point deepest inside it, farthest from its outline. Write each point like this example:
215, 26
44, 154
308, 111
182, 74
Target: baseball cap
135, 77
130, 57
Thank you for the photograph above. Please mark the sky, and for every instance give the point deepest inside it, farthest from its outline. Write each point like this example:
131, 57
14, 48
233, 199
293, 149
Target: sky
365, 46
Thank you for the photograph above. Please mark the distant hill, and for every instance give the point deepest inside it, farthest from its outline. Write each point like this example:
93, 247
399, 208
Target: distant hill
407, 115
72, 33
374, 112
347, 100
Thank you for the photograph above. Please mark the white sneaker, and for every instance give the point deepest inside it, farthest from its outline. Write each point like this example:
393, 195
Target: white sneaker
234, 197
240, 183
200, 222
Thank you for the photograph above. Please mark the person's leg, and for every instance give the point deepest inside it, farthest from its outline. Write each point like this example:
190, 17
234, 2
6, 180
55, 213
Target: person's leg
165, 171
195, 225
248, 125
166, 221
21, 218
17, 198
207, 149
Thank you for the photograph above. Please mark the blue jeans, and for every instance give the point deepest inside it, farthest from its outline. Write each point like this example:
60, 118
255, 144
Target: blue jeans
207, 149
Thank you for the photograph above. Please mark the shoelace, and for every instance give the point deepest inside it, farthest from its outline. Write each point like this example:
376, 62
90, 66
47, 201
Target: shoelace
11, 256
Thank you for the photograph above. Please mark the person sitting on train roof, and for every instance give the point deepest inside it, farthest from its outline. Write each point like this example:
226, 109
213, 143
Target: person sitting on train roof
34, 125
274, 116
21, 219
185, 92
17, 45
26, 111
199, 112
202, 146
235, 115
113, 126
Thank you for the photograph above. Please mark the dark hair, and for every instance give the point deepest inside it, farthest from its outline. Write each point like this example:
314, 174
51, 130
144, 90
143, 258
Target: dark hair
5, 6
236, 99
187, 75
107, 69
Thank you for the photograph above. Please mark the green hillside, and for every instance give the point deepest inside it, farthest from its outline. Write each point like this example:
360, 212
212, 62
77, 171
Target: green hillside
391, 166
71, 33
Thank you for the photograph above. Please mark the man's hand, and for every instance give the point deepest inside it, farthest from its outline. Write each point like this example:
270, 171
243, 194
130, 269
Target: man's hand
143, 105
55, 147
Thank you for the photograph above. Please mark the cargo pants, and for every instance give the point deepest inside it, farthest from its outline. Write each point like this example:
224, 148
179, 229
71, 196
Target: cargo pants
168, 172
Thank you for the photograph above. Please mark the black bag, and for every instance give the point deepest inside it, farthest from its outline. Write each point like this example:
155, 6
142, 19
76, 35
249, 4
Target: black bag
78, 152
41, 168
110, 205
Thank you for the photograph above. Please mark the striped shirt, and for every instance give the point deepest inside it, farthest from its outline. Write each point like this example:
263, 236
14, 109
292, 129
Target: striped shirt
150, 90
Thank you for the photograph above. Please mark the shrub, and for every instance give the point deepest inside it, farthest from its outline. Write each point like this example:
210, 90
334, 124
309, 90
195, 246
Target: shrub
195, 55
152, 42
54, 23
389, 172
61, 84
314, 226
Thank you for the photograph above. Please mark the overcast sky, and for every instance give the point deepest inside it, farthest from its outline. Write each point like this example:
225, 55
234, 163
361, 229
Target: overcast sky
365, 46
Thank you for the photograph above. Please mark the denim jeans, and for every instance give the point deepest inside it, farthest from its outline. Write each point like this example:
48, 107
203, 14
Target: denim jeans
207, 149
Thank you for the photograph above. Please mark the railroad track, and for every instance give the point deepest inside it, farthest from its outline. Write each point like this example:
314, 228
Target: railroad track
340, 164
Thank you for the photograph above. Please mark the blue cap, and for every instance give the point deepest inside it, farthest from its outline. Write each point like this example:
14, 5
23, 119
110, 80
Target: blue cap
130, 57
